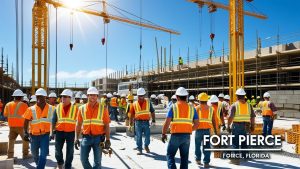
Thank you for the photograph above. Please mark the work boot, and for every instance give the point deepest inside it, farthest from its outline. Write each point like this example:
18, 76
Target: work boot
139, 152
147, 149
206, 165
198, 162
27, 156
60, 166
135, 148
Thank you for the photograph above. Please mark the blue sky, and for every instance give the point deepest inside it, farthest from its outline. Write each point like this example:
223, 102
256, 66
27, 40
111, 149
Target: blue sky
87, 59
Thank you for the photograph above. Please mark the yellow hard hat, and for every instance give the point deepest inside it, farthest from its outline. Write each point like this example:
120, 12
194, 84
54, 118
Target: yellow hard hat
252, 96
208, 97
130, 97
245, 97
203, 97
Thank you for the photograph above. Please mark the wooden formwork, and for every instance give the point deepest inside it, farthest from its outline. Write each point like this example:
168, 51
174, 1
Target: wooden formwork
217, 154
291, 137
297, 148
296, 128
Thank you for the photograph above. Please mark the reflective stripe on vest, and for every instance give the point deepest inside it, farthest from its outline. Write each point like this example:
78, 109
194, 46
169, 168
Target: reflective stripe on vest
70, 119
98, 121
138, 110
238, 117
16, 115
209, 117
220, 106
179, 120
266, 110
35, 120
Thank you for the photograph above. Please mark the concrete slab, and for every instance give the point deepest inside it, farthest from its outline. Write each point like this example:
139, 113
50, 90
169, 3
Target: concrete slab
296, 91
6, 163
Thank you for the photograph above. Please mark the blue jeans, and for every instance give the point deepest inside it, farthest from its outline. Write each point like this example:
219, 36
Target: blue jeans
60, 139
237, 130
181, 142
114, 113
268, 126
198, 141
88, 143
37, 143
140, 128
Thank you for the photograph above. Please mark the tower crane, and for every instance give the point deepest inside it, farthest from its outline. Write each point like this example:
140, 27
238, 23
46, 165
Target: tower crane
236, 39
40, 34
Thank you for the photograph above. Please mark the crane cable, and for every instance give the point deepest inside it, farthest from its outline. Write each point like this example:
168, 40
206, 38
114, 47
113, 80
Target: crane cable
71, 30
141, 36
212, 9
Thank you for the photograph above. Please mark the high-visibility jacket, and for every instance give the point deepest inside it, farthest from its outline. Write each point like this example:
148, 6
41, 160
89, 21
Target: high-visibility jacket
219, 111
142, 113
242, 113
122, 103
93, 124
205, 114
183, 115
14, 112
113, 102
266, 110
253, 102
66, 121
41, 119
77, 105
103, 100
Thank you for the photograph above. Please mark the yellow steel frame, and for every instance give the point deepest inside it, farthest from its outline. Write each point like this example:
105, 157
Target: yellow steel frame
40, 35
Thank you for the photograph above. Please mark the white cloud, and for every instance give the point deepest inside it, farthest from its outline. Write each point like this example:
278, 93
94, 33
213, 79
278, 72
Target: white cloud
82, 74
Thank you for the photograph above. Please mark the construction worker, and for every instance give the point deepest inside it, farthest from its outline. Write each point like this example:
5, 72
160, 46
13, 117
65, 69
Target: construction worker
206, 123
14, 111
192, 101
32, 101
39, 116
253, 101
93, 121
183, 119
248, 100
268, 113
221, 106
173, 101
25, 99
140, 111
180, 62
258, 101
130, 101
2, 118
77, 99
152, 98
122, 107
63, 123
226, 105
52, 99
103, 99
241, 116
84, 99
218, 115
114, 107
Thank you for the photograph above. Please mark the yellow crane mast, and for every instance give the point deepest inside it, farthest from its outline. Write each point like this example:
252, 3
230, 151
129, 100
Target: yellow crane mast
40, 35
236, 40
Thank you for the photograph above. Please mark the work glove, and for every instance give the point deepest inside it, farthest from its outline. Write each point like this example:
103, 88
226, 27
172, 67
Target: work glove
52, 137
107, 144
77, 144
223, 127
229, 129
26, 137
164, 138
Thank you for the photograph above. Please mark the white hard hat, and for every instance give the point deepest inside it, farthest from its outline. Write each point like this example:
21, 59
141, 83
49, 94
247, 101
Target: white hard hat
52, 95
123, 95
25, 98
227, 97
92, 90
181, 91
41, 92
18, 93
174, 97
191, 97
33, 98
240, 92
109, 95
114, 93
84, 96
213, 99
67, 92
78, 95
152, 96
221, 95
104, 94
141, 92
267, 94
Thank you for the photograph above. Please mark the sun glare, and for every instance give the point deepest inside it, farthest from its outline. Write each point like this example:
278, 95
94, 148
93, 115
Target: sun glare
72, 3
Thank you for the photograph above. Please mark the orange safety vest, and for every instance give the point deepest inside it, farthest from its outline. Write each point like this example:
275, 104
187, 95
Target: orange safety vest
41, 125
205, 116
66, 121
14, 111
113, 102
93, 126
142, 113
123, 103
183, 115
266, 110
1, 106
242, 113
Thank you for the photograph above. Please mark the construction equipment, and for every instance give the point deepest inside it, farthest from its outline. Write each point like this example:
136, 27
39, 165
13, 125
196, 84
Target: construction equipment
40, 35
236, 25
